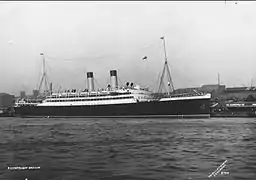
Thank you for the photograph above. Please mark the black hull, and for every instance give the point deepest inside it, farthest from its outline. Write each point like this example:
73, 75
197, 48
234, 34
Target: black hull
179, 108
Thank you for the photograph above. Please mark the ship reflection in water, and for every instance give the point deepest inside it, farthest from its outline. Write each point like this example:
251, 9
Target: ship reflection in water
130, 149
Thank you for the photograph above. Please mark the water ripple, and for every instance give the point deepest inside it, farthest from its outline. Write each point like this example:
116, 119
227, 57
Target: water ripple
127, 149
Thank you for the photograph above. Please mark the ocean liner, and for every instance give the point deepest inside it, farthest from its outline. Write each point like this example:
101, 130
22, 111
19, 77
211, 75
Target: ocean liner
115, 101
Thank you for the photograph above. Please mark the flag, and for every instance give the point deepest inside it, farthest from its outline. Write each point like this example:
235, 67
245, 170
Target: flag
162, 37
145, 57
41, 53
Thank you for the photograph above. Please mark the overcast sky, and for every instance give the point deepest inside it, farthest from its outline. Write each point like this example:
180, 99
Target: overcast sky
202, 39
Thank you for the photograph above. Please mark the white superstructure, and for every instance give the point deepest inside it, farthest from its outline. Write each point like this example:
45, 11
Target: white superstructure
120, 96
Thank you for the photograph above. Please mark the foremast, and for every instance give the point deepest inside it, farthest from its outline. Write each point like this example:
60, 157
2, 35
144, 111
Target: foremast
165, 70
44, 76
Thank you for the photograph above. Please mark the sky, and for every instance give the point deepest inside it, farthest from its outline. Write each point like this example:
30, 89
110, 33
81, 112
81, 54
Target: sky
202, 40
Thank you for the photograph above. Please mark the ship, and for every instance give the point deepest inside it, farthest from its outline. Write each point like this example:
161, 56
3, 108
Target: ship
234, 109
129, 101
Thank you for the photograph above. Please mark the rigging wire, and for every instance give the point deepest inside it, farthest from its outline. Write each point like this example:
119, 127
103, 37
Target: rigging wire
119, 79
75, 58
102, 56
96, 82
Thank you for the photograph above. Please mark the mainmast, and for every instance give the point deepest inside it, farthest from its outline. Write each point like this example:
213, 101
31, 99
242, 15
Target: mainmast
218, 78
166, 69
44, 77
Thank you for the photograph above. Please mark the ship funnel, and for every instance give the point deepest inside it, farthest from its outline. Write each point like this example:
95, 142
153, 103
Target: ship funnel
90, 81
113, 79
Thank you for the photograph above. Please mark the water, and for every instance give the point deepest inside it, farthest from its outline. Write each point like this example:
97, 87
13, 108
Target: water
127, 149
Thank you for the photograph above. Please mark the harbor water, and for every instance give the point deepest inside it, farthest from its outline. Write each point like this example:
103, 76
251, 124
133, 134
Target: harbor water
127, 149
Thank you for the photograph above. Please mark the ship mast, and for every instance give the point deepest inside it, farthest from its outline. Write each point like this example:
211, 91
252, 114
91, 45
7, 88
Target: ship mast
44, 77
167, 70
218, 78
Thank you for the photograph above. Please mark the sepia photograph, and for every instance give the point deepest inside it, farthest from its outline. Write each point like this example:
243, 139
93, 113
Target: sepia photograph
128, 90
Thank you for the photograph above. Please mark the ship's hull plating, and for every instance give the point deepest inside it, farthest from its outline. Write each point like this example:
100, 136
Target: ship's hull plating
178, 108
